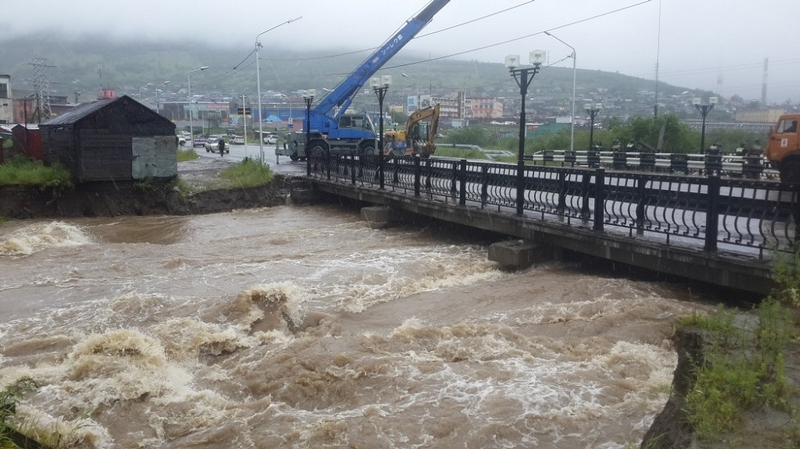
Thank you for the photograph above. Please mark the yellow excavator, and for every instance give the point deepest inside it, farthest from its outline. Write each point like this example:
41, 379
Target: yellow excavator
418, 136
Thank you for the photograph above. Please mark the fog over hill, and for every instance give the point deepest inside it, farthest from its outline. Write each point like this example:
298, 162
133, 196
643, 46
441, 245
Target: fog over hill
85, 64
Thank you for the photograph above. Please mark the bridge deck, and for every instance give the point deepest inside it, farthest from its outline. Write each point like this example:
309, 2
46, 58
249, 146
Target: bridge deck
655, 221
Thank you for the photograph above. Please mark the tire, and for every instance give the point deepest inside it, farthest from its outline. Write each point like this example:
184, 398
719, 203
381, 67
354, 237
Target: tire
318, 149
294, 157
790, 171
368, 149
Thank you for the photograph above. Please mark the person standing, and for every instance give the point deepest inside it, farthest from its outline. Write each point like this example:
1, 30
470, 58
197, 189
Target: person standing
221, 145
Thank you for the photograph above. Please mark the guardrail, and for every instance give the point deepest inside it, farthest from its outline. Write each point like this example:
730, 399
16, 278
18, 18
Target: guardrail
749, 166
708, 212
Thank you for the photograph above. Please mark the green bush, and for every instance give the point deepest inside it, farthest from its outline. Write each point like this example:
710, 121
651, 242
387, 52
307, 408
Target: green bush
9, 398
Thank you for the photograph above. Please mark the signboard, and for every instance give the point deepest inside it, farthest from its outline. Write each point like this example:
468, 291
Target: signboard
243, 111
213, 106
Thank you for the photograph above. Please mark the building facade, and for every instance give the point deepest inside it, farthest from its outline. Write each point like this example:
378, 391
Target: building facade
484, 107
6, 102
765, 116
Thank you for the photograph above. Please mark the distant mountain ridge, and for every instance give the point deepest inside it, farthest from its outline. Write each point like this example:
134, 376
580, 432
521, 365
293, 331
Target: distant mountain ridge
86, 64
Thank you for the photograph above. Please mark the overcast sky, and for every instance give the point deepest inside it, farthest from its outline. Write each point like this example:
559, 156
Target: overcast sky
719, 45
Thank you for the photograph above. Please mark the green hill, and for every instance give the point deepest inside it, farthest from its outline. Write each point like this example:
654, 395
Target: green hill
86, 64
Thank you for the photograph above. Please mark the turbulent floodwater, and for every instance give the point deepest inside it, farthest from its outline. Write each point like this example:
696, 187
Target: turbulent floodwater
302, 327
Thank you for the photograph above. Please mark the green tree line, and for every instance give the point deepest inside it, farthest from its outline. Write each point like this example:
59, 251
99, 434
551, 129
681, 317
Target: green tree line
677, 136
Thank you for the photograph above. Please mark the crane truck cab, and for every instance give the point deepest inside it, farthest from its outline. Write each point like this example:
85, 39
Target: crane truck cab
783, 148
355, 134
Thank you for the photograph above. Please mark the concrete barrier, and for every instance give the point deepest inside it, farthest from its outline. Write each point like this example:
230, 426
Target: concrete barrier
517, 254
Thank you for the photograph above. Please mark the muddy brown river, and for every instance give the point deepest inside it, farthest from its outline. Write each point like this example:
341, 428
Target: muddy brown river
301, 327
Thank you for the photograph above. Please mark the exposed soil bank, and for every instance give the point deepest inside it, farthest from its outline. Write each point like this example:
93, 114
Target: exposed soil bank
764, 427
108, 199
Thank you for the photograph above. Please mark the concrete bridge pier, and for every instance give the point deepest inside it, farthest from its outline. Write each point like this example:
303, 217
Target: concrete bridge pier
519, 254
378, 217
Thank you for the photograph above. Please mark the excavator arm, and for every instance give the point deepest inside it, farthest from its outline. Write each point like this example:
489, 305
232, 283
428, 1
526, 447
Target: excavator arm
421, 130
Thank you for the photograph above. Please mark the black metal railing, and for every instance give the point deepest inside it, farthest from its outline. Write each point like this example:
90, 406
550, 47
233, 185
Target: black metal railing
697, 211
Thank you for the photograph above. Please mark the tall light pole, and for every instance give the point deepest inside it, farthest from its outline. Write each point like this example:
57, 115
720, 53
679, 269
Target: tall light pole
308, 97
521, 76
157, 91
380, 86
289, 122
141, 89
704, 109
592, 109
574, 72
417, 86
258, 84
191, 109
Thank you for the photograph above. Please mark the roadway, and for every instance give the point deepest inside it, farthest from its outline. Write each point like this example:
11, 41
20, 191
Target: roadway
239, 152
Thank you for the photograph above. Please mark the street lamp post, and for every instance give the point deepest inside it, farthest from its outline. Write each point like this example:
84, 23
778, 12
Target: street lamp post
191, 109
574, 72
704, 109
141, 89
258, 85
523, 76
157, 91
308, 96
380, 86
592, 109
417, 86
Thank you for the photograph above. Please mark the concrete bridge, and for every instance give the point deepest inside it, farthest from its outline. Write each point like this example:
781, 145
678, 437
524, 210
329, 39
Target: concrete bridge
716, 230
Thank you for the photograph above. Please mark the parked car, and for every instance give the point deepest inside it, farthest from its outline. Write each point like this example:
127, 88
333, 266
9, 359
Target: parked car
212, 145
271, 139
237, 140
183, 139
198, 142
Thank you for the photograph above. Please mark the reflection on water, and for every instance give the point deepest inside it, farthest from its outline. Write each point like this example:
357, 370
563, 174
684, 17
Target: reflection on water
303, 327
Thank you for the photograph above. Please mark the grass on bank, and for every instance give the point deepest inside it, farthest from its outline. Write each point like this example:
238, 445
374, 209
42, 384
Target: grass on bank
187, 155
244, 174
745, 361
23, 171
248, 173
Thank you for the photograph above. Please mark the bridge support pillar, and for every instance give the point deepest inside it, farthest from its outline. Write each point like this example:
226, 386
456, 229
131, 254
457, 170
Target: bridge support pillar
517, 254
378, 217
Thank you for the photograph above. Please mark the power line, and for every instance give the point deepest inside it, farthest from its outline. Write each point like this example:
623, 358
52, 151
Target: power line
417, 37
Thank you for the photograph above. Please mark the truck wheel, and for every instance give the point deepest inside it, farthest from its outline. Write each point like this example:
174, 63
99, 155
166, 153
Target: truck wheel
790, 172
368, 150
318, 149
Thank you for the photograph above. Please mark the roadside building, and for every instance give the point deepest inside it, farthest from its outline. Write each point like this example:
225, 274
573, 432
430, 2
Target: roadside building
113, 139
6, 103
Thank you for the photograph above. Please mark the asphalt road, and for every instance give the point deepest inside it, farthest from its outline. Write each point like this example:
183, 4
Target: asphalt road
282, 165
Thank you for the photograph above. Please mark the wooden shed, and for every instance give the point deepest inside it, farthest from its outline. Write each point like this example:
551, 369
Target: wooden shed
27, 141
114, 139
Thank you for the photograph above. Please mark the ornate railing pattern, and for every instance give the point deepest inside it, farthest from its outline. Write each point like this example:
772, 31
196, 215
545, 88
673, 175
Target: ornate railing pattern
709, 211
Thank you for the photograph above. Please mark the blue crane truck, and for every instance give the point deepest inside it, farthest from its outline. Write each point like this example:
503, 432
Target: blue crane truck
329, 126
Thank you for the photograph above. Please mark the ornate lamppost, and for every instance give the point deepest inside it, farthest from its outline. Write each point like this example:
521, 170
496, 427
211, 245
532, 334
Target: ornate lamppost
592, 109
380, 86
523, 76
704, 109
308, 97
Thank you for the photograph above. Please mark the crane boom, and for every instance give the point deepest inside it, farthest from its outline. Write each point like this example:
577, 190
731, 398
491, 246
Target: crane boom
343, 94
328, 133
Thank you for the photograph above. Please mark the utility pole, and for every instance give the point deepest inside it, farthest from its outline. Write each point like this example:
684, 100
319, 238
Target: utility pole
244, 120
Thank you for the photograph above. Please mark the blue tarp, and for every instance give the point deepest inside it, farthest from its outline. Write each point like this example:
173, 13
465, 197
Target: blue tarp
273, 118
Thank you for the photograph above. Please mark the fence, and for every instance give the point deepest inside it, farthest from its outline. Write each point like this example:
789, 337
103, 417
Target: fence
709, 212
